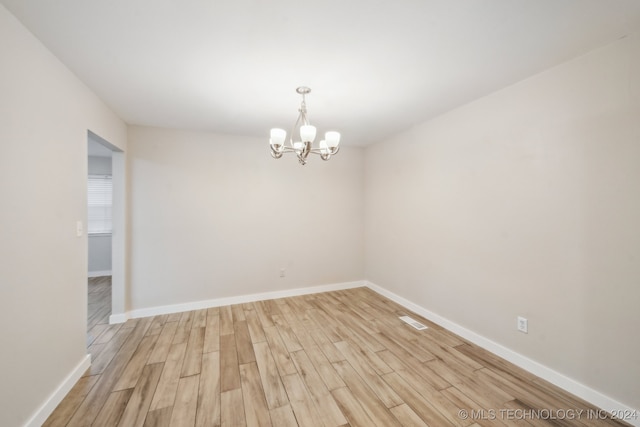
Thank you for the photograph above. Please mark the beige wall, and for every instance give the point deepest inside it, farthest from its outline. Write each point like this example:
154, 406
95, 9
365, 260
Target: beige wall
525, 202
45, 112
215, 216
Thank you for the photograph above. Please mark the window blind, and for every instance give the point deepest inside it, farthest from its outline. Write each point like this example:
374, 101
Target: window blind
99, 204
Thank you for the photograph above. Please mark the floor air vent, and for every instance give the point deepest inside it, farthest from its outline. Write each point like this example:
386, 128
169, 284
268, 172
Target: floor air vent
419, 326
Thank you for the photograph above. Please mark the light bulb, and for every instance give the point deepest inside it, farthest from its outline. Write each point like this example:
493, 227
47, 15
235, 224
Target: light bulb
278, 136
307, 133
332, 138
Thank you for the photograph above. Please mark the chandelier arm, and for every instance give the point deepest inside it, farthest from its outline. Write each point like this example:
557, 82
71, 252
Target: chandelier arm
317, 151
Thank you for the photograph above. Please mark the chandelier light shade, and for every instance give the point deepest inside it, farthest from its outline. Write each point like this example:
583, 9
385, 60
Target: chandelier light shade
307, 134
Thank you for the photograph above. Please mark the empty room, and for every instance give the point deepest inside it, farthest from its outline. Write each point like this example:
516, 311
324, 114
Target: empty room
320, 213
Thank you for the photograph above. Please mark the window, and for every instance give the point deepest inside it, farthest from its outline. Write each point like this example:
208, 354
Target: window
99, 203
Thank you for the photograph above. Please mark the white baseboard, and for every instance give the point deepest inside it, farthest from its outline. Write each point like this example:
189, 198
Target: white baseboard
99, 273
572, 386
198, 305
56, 397
118, 318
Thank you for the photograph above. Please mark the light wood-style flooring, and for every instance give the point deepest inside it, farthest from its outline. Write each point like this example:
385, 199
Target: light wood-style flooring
99, 306
340, 358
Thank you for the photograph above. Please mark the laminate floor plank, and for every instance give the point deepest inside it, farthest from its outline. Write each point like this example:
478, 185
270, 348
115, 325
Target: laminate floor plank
363, 355
63, 412
280, 354
274, 391
108, 334
415, 368
318, 390
495, 363
289, 338
372, 380
327, 372
468, 405
193, 357
94, 350
432, 395
255, 404
255, 326
98, 303
477, 393
301, 402
212, 331
174, 317
131, 374
113, 408
326, 323
516, 405
391, 338
378, 411
326, 346
200, 318
226, 320
163, 344
159, 417
232, 405
138, 405
263, 315
334, 359
407, 416
229, 369
94, 333
132, 323
243, 342
156, 326
283, 417
184, 328
352, 409
168, 384
208, 411
184, 408
272, 307
108, 352
238, 313
421, 406
296, 322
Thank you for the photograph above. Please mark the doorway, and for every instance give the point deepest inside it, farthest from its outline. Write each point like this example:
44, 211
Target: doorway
105, 235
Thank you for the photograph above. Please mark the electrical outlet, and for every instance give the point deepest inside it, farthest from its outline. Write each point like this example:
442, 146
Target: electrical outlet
282, 272
523, 325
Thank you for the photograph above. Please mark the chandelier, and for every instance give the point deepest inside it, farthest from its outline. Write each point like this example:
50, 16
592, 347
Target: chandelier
326, 147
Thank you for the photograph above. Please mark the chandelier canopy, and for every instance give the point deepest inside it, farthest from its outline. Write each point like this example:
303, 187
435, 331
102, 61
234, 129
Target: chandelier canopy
326, 147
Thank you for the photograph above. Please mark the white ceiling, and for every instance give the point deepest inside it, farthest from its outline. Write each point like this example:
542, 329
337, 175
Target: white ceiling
375, 67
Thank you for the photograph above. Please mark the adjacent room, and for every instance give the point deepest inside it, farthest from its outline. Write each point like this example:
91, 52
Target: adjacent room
248, 213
